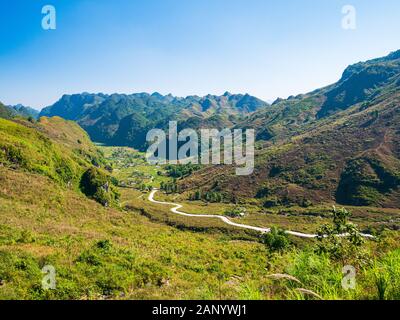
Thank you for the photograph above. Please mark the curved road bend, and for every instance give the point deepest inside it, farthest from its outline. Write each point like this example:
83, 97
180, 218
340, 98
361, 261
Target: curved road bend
176, 208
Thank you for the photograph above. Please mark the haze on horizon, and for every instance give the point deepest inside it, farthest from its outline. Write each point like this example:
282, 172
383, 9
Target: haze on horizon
264, 48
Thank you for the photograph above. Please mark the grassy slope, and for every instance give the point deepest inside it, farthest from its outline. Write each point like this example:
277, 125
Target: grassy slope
112, 254
53, 147
49, 225
44, 221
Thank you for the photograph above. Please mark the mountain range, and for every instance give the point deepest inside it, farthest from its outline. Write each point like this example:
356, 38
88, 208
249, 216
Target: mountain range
17, 110
24, 111
121, 119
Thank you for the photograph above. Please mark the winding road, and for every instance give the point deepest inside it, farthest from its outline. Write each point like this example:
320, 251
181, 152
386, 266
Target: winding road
177, 207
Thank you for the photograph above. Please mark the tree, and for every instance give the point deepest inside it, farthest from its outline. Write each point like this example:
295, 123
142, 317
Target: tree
276, 240
97, 185
342, 239
170, 187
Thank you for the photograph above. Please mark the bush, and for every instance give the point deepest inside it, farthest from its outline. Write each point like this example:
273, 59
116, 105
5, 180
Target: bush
14, 156
236, 212
207, 196
333, 242
276, 240
64, 171
272, 202
305, 203
98, 186
105, 245
181, 171
265, 191
170, 187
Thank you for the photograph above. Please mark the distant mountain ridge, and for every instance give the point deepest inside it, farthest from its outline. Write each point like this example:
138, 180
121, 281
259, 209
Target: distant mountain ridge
24, 111
8, 112
121, 119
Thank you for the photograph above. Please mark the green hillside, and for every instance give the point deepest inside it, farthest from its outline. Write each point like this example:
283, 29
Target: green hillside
57, 149
29, 146
350, 157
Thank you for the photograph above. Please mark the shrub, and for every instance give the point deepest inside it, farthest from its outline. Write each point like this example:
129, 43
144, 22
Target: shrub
170, 187
208, 196
98, 185
235, 212
276, 240
305, 203
181, 171
265, 191
341, 240
105, 245
64, 171
14, 156
272, 202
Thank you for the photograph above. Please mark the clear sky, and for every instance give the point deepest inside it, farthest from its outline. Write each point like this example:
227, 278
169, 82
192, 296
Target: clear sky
262, 47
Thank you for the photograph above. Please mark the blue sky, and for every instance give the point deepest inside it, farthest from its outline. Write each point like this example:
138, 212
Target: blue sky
265, 48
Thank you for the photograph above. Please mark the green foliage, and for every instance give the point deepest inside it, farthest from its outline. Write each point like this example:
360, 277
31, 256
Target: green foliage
207, 196
97, 185
143, 187
386, 274
272, 202
26, 148
381, 284
117, 270
315, 272
5, 112
265, 191
170, 187
181, 171
14, 156
276, 240
364, 181
341, 240
235, 212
